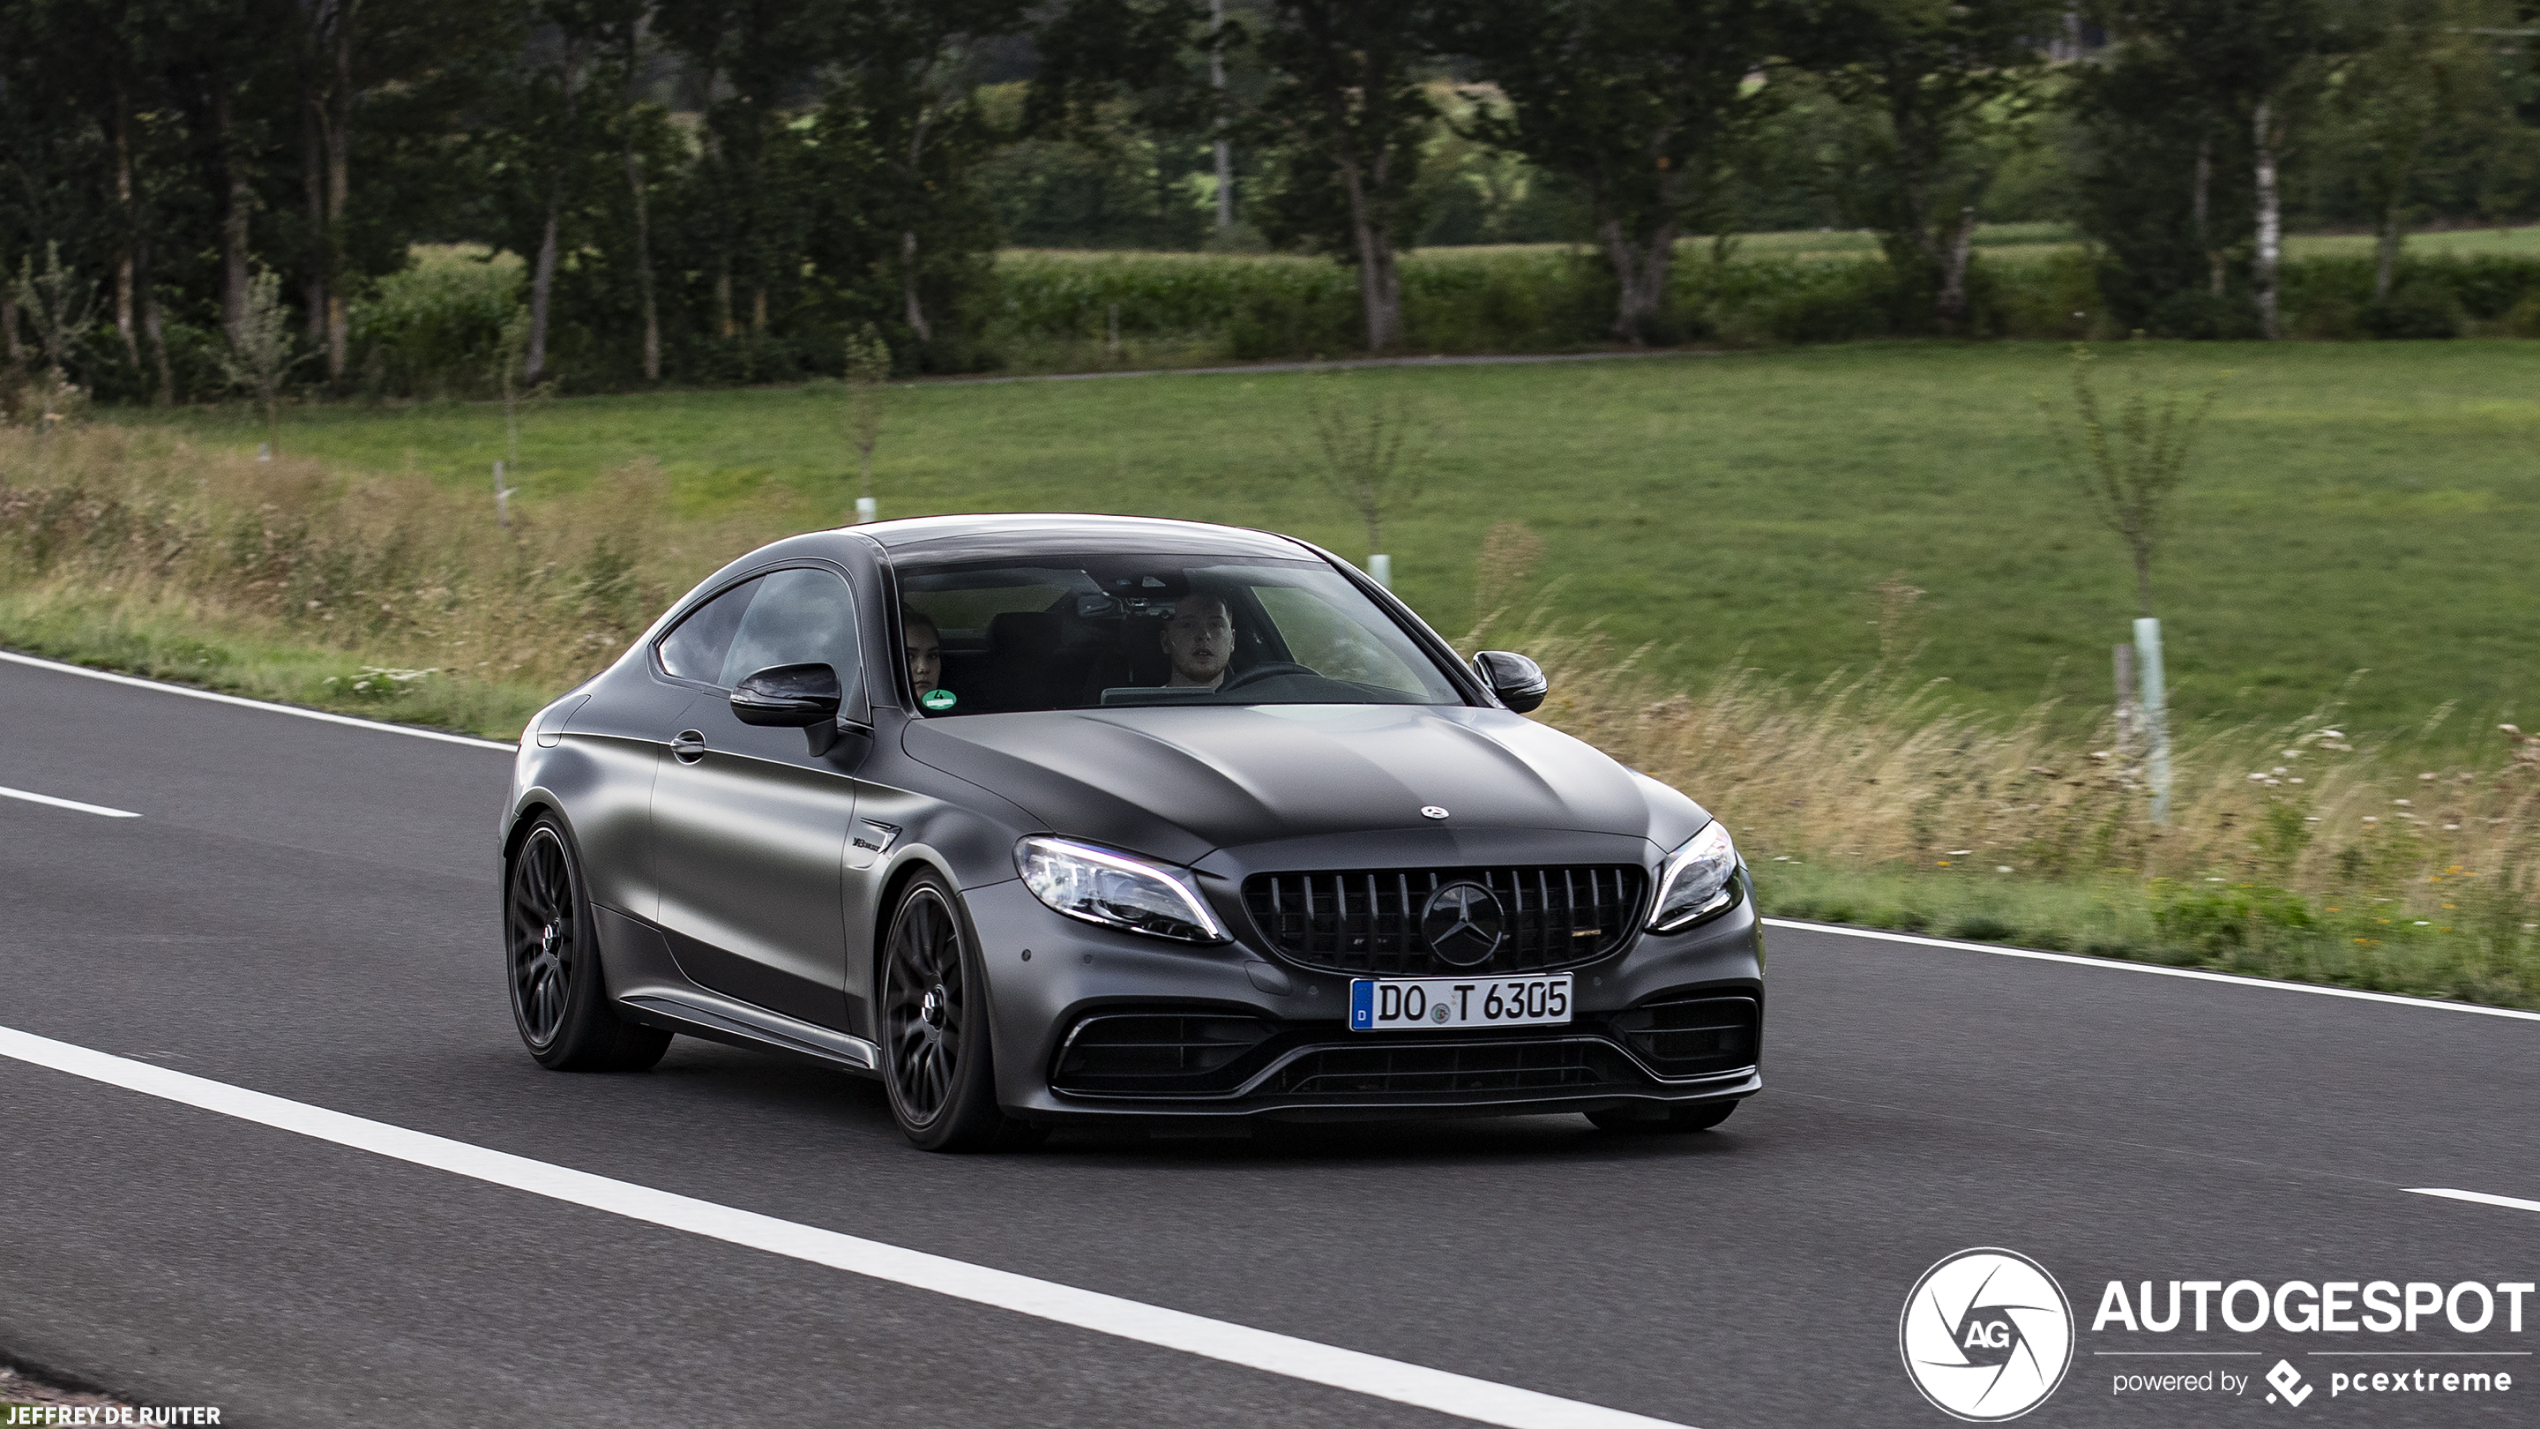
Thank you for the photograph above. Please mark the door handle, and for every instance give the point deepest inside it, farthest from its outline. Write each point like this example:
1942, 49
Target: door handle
688, 746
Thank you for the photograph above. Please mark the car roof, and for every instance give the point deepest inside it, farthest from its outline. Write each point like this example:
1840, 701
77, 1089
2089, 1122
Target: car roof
1035, 533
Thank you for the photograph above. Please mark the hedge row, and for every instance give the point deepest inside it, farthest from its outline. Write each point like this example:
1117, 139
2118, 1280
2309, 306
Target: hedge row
1042, 306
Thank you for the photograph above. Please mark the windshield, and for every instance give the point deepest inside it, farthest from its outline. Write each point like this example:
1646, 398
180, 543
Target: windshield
1109, 631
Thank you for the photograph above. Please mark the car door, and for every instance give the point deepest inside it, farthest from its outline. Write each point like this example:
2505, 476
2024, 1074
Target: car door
750, 828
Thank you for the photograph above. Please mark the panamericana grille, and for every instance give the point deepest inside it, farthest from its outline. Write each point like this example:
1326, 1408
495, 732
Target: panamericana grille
1403, 1069
1688, 1037
1368, 921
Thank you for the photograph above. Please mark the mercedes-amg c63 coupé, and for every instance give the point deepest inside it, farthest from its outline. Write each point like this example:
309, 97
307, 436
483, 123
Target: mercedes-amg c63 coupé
1045, 818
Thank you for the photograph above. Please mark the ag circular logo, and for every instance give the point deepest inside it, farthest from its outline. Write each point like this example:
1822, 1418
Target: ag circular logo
1463, 923
1987, 1335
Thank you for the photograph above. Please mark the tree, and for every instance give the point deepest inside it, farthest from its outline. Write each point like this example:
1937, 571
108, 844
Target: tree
1940, 90
868, 367
2430, 75
910, 84
1346, 102
2250, 62
56, 301
1644, 104
259, 353
2128, 471
1360, 443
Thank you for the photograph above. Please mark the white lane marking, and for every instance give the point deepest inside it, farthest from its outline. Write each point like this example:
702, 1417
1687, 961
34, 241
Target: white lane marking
1374, 1375
2477, 1198
190, 692
2114, 965
51, 802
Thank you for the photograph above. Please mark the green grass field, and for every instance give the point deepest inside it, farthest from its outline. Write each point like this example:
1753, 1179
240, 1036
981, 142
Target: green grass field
2356, 507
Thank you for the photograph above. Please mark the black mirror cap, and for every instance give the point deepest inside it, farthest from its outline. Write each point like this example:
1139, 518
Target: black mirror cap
1517, 681
788, 697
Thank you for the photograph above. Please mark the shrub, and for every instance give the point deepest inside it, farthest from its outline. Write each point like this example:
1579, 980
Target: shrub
2423, 307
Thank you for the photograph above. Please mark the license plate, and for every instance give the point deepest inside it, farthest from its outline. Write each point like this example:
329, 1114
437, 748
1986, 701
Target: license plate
1434, 1003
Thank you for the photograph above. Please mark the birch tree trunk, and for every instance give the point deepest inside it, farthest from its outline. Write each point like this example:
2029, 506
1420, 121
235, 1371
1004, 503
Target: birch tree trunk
1951, 305
131, 219
234, 200
542, 279
2202, 204
643, 218
2270, 221
151, 326
1224, 152
339, 161
916, 310
313, 189
542, 282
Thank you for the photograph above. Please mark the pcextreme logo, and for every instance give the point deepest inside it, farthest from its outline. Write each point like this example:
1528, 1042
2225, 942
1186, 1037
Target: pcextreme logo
1986, 1335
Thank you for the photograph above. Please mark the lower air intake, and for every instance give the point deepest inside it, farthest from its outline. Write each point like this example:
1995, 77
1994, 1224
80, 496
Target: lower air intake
1690, 1037
1155, 1054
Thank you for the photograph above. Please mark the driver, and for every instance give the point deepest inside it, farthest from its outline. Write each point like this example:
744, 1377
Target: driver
1199, 640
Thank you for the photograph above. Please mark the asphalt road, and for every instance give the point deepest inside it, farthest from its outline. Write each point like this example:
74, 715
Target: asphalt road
309, 910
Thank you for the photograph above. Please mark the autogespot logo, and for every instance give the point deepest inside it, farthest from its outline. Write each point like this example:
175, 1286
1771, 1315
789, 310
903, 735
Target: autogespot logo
1987, 1335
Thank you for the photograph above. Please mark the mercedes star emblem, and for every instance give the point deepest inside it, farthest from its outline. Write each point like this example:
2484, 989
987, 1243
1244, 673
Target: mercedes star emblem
1463, 922
1432, 811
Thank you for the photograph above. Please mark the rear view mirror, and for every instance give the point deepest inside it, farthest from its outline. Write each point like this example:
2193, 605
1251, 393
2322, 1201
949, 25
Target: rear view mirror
1517, 681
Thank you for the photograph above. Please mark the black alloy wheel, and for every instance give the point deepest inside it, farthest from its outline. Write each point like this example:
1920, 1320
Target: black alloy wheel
936, 1060
553, 960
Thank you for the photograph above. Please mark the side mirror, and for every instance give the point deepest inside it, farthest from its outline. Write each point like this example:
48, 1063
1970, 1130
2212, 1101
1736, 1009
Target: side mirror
804, 697
1517, 681
788, 697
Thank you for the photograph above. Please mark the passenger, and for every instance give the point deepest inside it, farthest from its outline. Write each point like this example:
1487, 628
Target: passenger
925, 650
1199, 640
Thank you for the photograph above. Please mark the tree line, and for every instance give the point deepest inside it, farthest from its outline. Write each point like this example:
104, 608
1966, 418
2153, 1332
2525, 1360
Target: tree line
720, 190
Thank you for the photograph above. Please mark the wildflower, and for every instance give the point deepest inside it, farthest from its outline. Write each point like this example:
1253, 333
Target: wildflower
1960, 852
2370, 819
2451, 826
2425, 776
2292, 781
2002, 868
2425, 922
2403, 802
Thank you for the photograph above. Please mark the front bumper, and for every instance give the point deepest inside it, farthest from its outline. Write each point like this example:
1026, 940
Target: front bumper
1047, 975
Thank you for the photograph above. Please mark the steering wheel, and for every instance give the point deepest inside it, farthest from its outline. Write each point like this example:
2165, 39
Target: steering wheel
1267, 670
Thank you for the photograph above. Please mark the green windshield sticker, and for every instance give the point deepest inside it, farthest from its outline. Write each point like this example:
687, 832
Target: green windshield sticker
938, 699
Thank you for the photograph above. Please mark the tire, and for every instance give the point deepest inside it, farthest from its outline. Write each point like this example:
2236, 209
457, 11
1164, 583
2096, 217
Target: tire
1684, 1118
551, 957
937, 1064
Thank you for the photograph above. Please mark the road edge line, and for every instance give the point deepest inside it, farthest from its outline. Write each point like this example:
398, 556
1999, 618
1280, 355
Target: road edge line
112, 677
2476, 1198
1400, 1382
2118, 965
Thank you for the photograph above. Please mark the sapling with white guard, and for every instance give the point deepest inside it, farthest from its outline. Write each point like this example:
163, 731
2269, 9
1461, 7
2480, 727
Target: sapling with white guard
2129, 471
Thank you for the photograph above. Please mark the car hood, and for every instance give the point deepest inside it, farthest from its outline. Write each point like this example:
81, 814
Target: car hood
1176, 783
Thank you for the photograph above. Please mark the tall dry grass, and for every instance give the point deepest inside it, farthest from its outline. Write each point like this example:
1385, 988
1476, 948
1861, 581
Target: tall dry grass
2292, 849
408, 593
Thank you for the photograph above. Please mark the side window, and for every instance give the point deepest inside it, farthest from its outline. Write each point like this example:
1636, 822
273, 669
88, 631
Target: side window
695, 648
796, 618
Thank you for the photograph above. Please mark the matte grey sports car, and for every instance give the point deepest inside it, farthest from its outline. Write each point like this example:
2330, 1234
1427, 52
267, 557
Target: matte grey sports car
1040, 818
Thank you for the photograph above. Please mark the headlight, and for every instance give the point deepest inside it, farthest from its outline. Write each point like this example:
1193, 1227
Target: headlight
1115, 890
1695, 880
